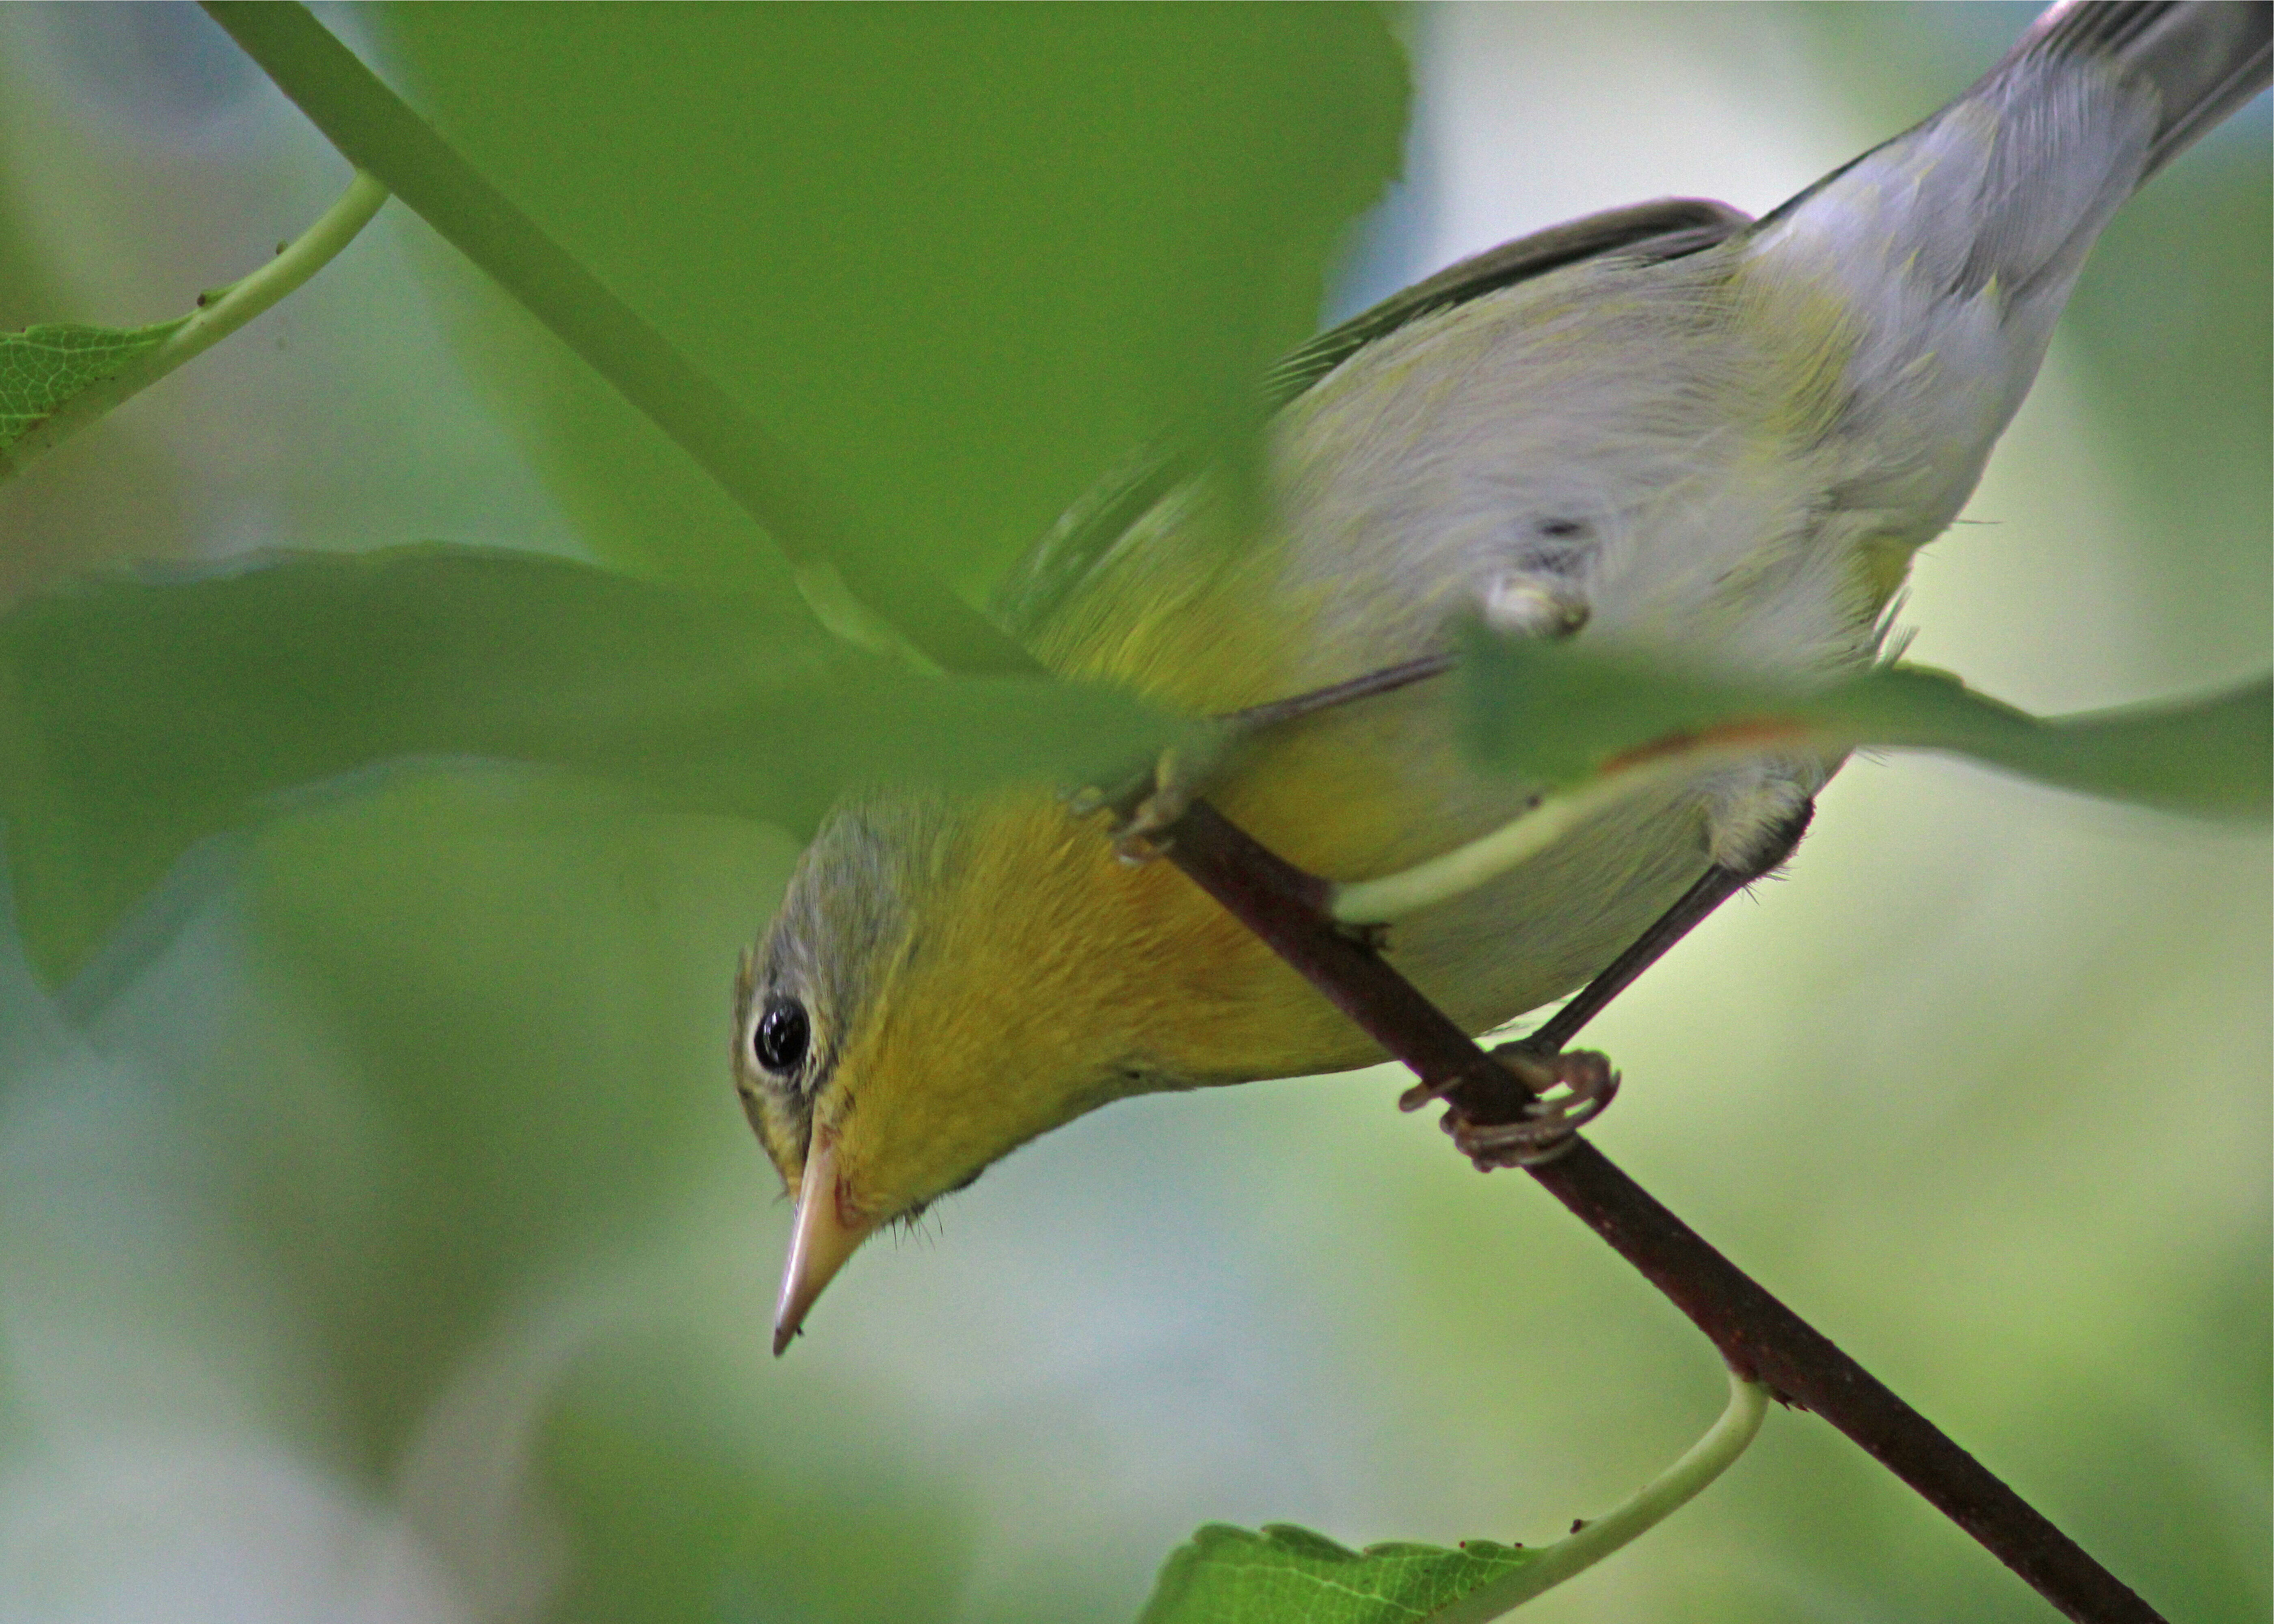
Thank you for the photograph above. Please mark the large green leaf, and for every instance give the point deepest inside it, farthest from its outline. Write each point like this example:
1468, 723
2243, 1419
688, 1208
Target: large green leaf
139, 716
1228, 1575
1561, 713
957, 258
42, 367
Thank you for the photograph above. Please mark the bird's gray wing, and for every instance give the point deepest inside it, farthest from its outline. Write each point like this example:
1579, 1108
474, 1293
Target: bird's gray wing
1078, 544
1666, 229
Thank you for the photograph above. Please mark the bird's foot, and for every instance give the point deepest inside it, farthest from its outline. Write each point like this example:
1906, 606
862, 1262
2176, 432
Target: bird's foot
1569, 1090
1144, 807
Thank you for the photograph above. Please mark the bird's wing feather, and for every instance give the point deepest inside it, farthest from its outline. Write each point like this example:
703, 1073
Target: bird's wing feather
1664, 229
1078, 544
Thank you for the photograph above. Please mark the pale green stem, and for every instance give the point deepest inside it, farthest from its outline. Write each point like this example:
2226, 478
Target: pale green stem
220, 313
1707, 1459
1464, 868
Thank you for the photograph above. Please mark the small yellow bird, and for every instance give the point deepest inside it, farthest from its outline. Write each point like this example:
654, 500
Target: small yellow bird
1664, 428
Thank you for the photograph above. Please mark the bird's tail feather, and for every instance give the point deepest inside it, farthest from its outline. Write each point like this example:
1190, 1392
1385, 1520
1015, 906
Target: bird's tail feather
2007, 186
2205, 59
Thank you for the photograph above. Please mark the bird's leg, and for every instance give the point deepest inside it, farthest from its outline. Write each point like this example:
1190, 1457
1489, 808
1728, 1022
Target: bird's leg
1713, 888
1150, 800
1540, 1128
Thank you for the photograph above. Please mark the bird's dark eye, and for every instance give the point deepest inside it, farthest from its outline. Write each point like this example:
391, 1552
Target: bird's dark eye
781, 1035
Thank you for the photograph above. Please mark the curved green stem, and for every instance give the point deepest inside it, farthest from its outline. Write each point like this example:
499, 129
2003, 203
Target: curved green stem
1707, 1459
220, 313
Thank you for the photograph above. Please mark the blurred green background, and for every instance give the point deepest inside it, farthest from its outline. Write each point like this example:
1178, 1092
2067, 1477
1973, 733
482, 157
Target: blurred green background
379, 1237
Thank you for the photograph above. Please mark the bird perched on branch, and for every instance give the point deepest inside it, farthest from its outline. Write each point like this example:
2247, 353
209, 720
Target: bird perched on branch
1665, 428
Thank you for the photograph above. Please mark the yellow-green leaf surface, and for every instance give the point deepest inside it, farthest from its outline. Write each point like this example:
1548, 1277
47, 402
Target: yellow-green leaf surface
140, 716
1559, 714
958, 258
1284, 1574
42, 367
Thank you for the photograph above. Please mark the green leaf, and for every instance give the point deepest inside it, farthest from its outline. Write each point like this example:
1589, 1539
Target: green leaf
1228, 1575
1283, 1574
957, 258
139, 716
1559, 714
42, 367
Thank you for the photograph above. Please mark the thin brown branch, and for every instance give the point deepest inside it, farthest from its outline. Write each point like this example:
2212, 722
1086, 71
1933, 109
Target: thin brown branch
1759, 1335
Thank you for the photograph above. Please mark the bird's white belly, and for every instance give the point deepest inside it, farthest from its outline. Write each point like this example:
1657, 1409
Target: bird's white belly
1695, 537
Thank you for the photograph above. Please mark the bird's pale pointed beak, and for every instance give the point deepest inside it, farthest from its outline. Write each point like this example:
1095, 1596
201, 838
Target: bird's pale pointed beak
820, 1240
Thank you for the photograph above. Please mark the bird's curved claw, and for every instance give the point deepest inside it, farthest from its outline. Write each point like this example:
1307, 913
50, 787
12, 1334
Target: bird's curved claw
1575, 1087
1145, 807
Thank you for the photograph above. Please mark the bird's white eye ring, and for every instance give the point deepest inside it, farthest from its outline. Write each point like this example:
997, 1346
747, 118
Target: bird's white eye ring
780, 1037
